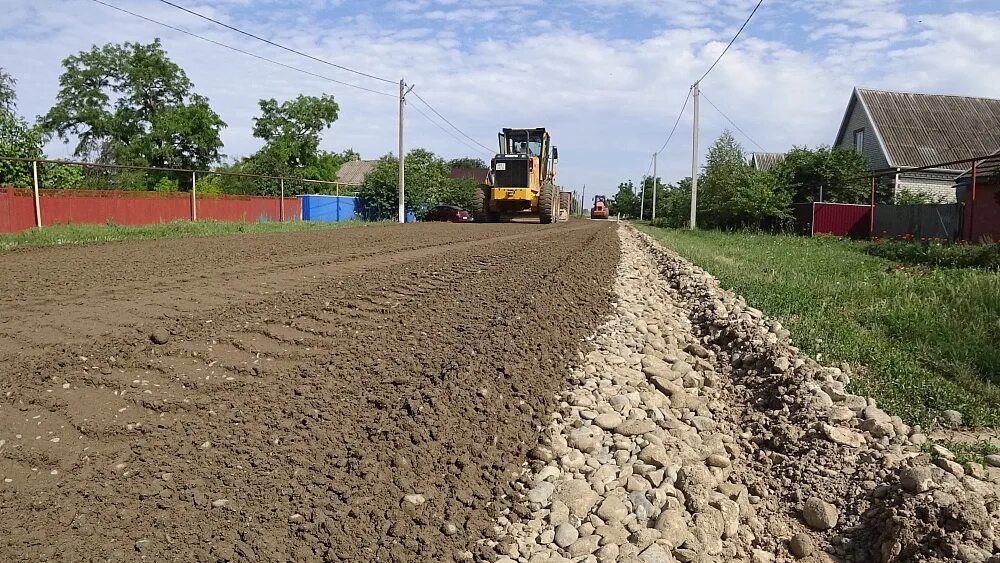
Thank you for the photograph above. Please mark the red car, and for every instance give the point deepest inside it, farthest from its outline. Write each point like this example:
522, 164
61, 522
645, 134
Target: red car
450, 213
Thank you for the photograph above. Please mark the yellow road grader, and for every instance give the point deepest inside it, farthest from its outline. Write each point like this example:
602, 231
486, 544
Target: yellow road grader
522, 180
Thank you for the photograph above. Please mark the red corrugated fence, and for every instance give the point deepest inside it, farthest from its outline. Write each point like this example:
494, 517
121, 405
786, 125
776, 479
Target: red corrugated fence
17, 211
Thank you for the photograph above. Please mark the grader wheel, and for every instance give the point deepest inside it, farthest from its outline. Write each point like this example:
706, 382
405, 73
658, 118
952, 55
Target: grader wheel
548, 204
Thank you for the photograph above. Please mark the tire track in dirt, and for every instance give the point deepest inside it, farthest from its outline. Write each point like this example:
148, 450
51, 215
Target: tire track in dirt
290, 425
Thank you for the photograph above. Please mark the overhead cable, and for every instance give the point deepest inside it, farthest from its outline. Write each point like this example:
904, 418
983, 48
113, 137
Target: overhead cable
238, 50
278, 45
731, 122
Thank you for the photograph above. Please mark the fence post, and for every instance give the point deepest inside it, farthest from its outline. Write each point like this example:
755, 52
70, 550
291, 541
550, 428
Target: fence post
871, 217
972, 202
281, 202
34, 190
194, 196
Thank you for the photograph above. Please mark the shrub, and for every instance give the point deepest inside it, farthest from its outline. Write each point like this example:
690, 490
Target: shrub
938, 254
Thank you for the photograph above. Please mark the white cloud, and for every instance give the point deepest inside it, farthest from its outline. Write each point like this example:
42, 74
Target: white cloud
609, 102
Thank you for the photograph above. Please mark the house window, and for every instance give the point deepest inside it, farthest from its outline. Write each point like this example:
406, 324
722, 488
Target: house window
859, 140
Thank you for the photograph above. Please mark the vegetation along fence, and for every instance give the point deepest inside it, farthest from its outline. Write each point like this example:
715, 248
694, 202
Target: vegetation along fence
134, 195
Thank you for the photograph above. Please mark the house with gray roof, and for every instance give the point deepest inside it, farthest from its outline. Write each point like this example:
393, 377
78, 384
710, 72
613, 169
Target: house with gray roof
353, 172
901, 131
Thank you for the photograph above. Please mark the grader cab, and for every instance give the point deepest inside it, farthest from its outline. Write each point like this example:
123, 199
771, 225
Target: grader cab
522, 179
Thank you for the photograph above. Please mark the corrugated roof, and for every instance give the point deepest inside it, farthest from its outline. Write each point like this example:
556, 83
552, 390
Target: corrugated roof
353, 172
927, 129
766, 160
478, 174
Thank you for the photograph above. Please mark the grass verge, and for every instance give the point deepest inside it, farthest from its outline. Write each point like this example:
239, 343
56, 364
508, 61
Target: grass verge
80, 234
926, 337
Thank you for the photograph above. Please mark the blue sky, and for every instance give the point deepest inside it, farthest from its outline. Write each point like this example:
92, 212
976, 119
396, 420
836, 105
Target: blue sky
606, 76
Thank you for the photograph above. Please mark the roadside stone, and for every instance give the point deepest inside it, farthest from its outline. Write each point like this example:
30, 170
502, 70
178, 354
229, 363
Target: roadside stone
951, 418
612, 510
801, 545
942, 452
718, 460
541, 492
654, 454
672, 527
950, 466
916, 479
993, 460
584, 546
635, 427
159, 336
819, 514
843, 436
608, 421
656, 554
565, 535
578, 496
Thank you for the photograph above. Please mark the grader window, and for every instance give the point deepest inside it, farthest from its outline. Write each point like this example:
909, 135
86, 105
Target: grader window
529, 143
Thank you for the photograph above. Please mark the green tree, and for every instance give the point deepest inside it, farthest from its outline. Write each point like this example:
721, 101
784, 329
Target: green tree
676, 210
8, 93
734, 196
466, 162
291, 130
839, 174
427, 183
625, 201
17, 138
130, 104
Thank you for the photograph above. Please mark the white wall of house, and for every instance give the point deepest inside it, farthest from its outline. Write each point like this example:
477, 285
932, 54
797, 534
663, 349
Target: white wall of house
943, 189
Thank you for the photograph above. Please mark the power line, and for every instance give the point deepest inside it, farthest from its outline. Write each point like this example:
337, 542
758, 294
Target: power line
238, 50
454, 136
437, 113
731, 122
278, 45
733, 40
676, 122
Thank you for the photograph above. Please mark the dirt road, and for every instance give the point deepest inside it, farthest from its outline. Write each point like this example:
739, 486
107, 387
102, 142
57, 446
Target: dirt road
354, 395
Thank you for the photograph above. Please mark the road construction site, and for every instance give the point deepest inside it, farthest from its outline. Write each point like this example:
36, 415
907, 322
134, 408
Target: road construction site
441, 392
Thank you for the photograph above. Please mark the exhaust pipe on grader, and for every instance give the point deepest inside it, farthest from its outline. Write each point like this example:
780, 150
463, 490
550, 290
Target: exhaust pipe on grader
522, 180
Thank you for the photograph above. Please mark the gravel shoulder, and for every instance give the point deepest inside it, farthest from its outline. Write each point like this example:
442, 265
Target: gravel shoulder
696, 431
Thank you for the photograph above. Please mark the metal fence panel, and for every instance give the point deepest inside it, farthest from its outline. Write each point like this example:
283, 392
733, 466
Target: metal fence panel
842, 219
922, 221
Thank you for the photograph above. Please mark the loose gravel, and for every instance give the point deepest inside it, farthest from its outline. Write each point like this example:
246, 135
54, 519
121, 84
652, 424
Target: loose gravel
695, 431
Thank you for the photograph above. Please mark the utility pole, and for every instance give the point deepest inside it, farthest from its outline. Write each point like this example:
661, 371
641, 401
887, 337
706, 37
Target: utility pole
402, 156
642, 199
694, 163
583, 199
654, 185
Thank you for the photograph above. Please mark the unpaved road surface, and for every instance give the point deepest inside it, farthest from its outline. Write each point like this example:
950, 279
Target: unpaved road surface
347, 395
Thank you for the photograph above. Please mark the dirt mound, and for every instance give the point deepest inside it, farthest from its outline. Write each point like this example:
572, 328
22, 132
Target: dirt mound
367, 398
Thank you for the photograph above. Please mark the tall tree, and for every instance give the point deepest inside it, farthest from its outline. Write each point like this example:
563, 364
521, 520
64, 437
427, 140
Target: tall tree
17, 139
130, 104
466, 162
291, 130
8, 95
626, 201
838, 175
734, 196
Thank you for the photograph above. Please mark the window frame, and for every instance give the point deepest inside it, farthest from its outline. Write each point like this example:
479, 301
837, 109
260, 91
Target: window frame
860, 148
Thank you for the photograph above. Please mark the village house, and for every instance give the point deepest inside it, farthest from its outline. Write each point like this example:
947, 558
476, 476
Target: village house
899, 131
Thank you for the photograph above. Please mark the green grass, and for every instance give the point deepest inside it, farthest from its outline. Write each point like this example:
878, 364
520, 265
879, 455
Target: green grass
966, 452
922, 339
80, 234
